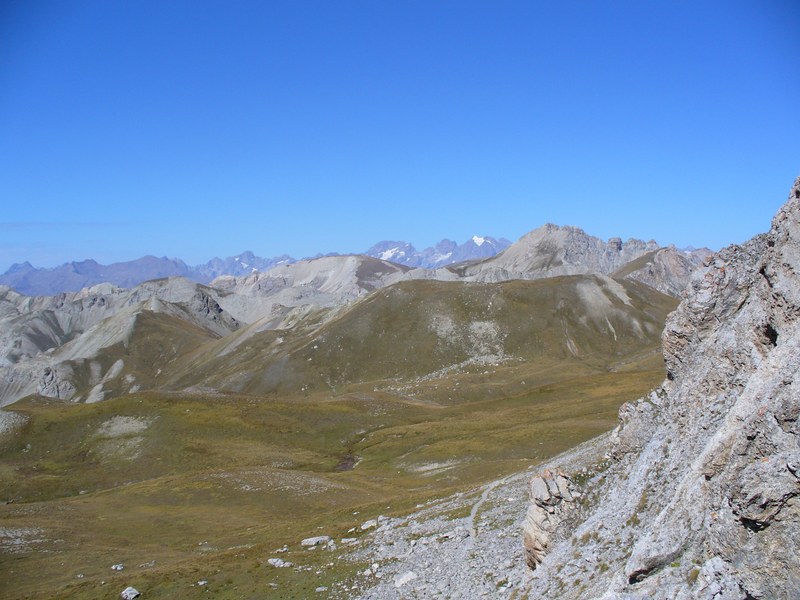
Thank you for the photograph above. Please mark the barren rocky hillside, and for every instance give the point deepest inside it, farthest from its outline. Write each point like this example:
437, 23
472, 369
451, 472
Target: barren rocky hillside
699, 498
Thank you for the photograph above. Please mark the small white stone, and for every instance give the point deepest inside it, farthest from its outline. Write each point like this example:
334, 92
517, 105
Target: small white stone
278, 563
315, 541
404, 579
129, 593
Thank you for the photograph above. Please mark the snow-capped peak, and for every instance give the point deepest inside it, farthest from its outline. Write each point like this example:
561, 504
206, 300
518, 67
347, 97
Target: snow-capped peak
478, 240
388, 254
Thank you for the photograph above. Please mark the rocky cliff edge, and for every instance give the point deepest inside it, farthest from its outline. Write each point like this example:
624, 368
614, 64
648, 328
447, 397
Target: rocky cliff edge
699, 494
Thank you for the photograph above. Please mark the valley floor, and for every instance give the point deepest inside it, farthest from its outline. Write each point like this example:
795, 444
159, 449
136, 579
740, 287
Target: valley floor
198, 495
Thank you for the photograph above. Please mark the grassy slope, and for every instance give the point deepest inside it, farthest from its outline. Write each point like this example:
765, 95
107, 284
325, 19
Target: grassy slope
207, 486
416, 328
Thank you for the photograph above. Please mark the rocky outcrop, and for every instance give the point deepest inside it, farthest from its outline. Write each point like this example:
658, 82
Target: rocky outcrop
701, 495
550, 500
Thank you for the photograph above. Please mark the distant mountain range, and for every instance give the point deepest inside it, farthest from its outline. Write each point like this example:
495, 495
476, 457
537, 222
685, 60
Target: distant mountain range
544, 252
73, 276
49, 344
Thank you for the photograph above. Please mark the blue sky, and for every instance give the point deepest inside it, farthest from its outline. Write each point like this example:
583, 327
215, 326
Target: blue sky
198, 129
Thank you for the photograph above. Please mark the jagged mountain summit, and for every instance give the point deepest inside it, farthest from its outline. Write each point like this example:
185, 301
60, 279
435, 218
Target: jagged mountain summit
444, 253
553, 250
699, 495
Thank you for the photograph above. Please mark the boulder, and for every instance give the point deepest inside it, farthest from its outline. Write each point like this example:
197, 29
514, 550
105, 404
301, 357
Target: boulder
129, 593
320, 540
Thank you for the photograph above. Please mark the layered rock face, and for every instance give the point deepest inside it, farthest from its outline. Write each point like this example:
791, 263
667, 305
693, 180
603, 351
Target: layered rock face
700, 497
550, 496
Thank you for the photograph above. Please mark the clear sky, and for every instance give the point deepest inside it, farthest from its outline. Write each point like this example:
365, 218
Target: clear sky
197, 129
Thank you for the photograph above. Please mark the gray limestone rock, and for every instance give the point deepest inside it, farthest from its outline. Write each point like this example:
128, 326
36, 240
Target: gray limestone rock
550, 499
699, 498
319, 540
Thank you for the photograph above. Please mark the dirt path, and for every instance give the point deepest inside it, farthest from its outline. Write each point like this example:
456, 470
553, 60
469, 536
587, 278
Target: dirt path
473, 528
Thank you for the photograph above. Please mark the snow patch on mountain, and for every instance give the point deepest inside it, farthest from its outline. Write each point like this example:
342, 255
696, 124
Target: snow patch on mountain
444, 253
392, 253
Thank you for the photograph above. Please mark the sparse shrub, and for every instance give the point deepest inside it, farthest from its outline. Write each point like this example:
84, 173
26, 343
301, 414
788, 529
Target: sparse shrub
642, 501
692, 576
